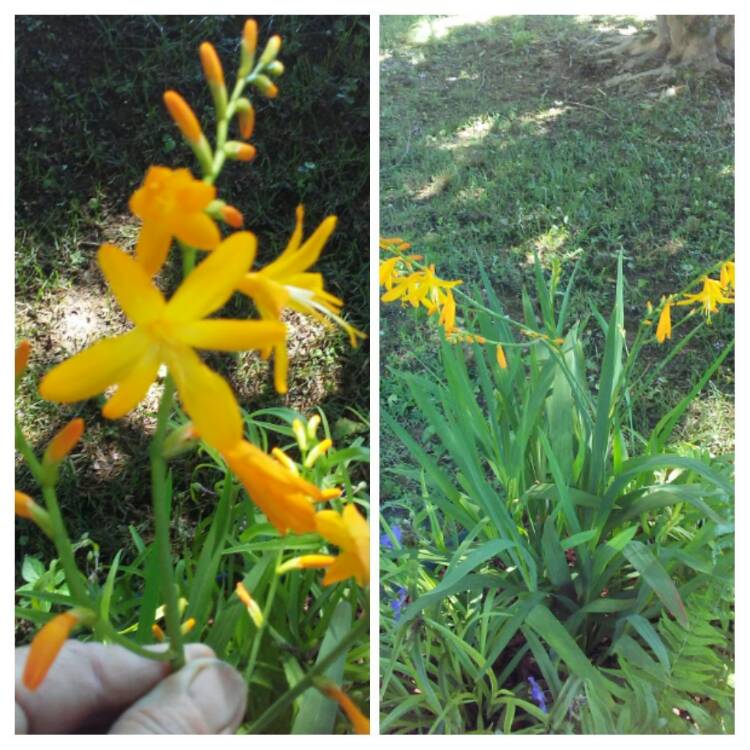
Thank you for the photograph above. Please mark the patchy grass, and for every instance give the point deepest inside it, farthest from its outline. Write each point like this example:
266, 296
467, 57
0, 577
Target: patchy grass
498, 140
89, 121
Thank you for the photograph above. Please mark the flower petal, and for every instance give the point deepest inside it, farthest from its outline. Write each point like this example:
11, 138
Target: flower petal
140, 300
207, 398
331, 525
211, 284
300, 260
133, 387
198, 230
152, 247
346, 566
88, 373
231, 335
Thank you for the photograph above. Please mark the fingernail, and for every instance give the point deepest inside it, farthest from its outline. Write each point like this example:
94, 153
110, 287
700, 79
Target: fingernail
219, 692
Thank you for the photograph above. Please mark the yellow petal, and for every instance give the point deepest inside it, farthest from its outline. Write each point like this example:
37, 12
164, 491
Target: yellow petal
207, 398
346, 566
139, 299
211, 284
231, 335
132, 389
198, 230
331, 526
89, 373
152, 247
301, 259
269, 296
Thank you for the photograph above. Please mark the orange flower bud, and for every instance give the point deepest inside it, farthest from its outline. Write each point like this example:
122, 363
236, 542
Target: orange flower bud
500, 355
232, 216
22, 356
64, 441
306, 562
187, 626
211, 64
331, 493
46, 646
240, 151
250, 36
24, 505
273, 46
252, 606
266, 87
158, 633
183, 116
246, 119
359, 721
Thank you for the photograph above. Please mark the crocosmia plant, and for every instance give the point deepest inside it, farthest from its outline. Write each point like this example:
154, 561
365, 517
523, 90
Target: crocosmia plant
281, 566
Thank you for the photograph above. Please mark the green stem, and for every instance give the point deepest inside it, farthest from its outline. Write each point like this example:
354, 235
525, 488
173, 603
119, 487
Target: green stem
308, 680
160, 494
73, 576
28, 454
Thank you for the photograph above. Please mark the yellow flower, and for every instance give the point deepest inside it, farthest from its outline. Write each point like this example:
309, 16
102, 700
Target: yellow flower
664, 328
171, 204
286, 283
47, 644
166, 332
448, 312
286, 499
709, 298
359, 721
350, 532
420, 288
726, 276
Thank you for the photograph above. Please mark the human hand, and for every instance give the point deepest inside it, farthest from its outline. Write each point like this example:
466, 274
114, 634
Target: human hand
94, 688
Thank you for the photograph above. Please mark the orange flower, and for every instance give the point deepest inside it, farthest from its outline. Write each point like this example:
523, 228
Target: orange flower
64, 442
359, 721
211, 64
350, 532
22, 356
183, 116
171, 204
46, 646
286, 499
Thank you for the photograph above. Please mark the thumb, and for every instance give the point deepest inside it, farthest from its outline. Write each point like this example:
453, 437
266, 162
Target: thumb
207, 696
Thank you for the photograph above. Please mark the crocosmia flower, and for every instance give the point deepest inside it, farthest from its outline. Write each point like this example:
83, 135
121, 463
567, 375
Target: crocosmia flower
286, 283
350, 532
286, 499
167, 333
172, 203
709, 298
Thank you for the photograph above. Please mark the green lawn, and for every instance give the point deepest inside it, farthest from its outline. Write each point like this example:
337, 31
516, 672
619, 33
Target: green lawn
499, 138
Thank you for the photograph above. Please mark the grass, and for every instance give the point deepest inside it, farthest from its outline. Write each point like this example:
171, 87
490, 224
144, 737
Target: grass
498, 139
89, 121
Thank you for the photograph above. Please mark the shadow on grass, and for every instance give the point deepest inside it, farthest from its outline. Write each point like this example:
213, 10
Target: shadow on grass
499, 139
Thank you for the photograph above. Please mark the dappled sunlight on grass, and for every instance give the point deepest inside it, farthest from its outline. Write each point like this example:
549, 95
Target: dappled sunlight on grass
430, 29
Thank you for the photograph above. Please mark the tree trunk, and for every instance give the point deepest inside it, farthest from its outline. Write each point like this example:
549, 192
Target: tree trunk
699, 42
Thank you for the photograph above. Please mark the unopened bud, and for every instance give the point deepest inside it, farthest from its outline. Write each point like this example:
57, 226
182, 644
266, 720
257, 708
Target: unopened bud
22, 356
27, 508
63, 442
180, 441
230, 215
266, 87
312, 426
211, 64
306, 562
187, 626
317, 452
331, 493
183, 116
300, 433
246, 120
158, 633
240, 151
250, 36
273, 46
276, 68
253, 609
284, 460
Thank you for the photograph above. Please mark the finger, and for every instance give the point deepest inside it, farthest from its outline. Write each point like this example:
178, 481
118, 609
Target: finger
207, 696
89, 685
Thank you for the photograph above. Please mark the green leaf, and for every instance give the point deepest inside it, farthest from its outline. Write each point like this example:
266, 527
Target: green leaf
317, 713
654, 575
109, 586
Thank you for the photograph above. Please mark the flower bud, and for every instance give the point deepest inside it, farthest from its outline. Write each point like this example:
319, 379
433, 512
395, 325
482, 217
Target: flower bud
183, 116
331, 493
250, 36
500, 356
211, 64
230, 215
240, 151
306, 562
246, 120
276, 68
273, 45
187, 626
63, 442
359, 721
22, 356
266, 87
158, 633
300, 434
180, 441
27, 508
285, 461
253, 609
317, 452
